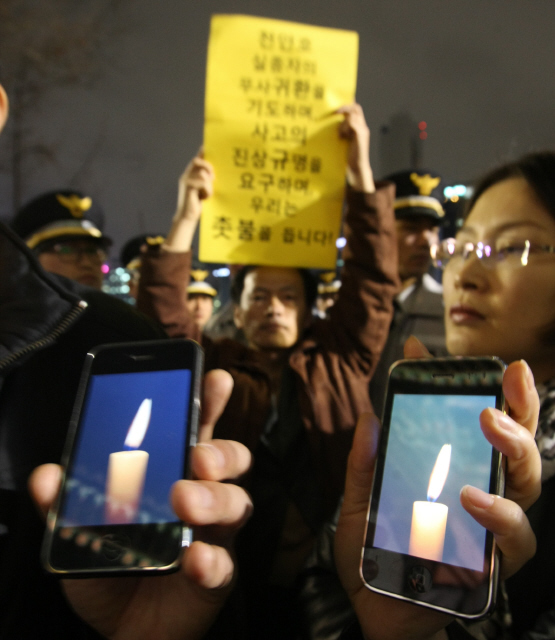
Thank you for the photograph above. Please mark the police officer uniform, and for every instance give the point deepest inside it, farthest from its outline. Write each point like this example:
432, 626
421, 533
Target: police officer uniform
60, 215
419, 307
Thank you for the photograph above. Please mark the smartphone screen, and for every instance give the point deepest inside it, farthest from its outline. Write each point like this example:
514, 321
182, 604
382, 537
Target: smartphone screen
133, 425
421, 545
113, 403
420, 426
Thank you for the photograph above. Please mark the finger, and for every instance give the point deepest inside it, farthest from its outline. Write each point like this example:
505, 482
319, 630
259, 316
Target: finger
220, 460
208, 566
201, 185
216, 391
353, 122
198, 163
521, 395
345, 130
507, 521
413, 348
523, 481
44, 484
350, 109
202, 503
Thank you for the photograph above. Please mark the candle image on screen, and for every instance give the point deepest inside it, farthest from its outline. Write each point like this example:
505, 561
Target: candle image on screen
429, 519
127, 471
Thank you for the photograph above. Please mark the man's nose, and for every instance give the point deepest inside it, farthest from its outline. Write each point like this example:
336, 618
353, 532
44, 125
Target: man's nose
87, 257
426, 237
275, 305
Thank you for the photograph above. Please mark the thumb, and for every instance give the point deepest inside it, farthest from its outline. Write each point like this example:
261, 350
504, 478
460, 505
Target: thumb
44, 484
415, 349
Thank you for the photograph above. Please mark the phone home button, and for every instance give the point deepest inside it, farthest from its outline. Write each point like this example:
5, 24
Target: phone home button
113, 546
419, 579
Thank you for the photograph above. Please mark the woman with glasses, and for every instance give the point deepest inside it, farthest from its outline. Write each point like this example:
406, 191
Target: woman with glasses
499, 272
499, 294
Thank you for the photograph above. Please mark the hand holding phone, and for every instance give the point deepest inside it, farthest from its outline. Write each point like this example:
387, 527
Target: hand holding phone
385, 617
134, 422
183, 604
421, 545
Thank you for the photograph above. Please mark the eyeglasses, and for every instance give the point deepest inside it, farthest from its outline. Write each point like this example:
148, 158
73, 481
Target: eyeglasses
72, 253
455, 251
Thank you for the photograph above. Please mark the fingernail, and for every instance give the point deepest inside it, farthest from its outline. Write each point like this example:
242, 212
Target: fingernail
505, 422
217, 456
529, 376
477, 497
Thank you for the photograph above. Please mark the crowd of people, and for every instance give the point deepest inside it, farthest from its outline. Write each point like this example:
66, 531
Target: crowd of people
291, 393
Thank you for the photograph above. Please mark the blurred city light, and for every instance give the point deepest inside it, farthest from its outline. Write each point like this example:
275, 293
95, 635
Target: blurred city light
340, 243
223, 272
459, 190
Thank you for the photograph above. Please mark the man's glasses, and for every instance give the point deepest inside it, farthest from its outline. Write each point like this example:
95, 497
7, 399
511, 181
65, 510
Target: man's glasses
452, 251
71, 253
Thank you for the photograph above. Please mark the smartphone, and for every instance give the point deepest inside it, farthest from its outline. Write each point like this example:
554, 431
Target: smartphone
134, 422
421, 545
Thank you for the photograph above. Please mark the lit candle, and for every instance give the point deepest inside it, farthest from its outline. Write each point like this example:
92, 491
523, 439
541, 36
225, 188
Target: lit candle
127, 471
429, 519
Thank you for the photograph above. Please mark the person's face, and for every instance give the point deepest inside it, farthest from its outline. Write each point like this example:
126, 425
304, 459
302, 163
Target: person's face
133, 283
505, 310
79, 260
272, 311
200, 308
415, 235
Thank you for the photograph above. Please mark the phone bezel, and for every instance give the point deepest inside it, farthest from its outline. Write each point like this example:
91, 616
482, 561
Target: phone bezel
138, 539
387, 572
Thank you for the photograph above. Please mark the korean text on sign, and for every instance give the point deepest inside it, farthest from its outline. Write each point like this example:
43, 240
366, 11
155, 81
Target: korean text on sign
272, 88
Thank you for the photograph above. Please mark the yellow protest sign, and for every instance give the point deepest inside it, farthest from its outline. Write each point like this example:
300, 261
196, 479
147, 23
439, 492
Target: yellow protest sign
271, 133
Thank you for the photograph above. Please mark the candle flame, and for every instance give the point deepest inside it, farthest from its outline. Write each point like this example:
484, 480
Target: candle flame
439, 473
139, 425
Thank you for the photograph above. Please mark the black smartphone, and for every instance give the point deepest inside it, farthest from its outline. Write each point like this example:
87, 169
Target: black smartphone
421, 545
134, 422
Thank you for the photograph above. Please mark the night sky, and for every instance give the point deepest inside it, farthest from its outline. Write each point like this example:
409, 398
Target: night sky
479, 72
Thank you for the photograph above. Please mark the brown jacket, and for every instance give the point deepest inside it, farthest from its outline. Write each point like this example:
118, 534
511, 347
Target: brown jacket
334, 359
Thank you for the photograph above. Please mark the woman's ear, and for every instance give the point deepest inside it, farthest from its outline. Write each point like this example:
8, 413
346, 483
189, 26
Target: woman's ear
4, 107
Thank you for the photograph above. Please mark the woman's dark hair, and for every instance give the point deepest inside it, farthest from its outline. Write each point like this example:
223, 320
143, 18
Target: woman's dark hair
309, 282
538, 169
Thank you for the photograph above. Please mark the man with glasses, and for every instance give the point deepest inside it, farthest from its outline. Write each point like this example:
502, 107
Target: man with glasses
64, 230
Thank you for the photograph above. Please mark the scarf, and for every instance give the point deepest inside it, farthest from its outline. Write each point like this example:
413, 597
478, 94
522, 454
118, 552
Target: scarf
545, 435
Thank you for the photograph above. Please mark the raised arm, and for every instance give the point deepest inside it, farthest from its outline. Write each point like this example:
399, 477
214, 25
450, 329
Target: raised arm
165, 268
195, 185
361, 317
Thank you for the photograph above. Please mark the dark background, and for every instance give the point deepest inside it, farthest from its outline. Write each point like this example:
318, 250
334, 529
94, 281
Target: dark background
479, 72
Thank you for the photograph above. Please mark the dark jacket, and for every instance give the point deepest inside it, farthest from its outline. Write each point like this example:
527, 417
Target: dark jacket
301, 439
333, 361
47, 325
418, 311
